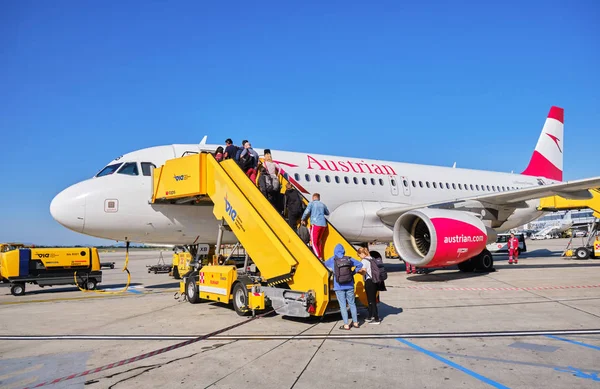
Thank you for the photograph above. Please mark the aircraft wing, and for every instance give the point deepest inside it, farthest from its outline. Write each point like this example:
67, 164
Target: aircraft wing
572, 190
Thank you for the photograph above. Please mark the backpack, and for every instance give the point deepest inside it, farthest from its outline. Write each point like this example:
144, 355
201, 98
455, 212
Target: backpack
378, 271
246, 162
238, 152
342, 269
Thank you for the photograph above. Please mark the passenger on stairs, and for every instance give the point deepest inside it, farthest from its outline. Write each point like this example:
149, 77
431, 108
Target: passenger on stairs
219, 154
230, 149
273, 184
293, 205
317, 211
249, 161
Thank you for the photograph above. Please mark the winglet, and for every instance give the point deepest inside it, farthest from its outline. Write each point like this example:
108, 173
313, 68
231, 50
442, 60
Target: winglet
203, 141
547, 158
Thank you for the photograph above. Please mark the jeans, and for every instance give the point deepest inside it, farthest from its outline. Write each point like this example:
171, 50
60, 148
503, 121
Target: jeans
344, 296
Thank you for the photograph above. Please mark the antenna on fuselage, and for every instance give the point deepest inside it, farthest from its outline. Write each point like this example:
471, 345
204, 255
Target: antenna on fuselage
454, 166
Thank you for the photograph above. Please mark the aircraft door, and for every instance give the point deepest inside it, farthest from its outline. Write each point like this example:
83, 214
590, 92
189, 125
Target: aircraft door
394, 185
405, 185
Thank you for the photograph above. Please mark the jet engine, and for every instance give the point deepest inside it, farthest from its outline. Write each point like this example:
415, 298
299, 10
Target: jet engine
437, 237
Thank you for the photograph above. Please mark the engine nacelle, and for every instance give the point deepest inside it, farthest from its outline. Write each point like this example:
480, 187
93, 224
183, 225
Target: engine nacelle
437, 237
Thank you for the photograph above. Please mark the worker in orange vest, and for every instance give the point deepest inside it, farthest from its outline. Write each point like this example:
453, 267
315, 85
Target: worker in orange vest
513, 249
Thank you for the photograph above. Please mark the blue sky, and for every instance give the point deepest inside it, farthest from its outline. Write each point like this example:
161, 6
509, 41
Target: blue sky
423, 82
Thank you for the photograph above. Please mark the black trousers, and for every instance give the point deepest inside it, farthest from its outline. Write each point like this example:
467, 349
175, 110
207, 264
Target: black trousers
293, 218
371, 289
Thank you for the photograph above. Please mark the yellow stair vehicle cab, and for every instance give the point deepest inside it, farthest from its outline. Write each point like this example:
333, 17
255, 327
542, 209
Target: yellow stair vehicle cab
50, 266
281, 271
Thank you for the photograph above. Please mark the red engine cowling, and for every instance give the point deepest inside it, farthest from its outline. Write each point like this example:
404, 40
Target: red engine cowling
438, 237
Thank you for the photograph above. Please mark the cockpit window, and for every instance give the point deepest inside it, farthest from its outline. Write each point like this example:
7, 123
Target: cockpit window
129, 168
110, 169
147, 168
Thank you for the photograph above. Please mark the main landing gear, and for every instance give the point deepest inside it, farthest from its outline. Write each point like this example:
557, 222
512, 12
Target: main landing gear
483, 262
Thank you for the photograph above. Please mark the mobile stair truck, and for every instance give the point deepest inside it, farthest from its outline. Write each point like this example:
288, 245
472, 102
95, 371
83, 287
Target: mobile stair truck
285, 274
50, 266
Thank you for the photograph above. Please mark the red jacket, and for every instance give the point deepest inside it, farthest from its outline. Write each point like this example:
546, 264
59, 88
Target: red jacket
513, 243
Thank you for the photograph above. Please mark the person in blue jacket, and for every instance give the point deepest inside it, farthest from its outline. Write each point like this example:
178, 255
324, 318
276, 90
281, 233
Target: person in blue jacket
345, 292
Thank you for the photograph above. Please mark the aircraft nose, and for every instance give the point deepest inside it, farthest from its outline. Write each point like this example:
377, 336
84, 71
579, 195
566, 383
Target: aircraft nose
68, 208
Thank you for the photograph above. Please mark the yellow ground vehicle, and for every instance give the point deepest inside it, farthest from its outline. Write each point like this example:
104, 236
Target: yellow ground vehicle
50, 266
590, 247
390, 251
281, 271
10, 246
181, 264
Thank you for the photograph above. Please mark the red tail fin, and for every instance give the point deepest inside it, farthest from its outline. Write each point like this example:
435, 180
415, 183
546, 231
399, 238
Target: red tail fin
547, 158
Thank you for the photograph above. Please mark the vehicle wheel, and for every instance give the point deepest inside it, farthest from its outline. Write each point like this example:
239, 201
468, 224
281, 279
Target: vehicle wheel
191, 290
240, 299
17, 289
90, 284
176, 274
582, 253
485, 261
466, 266
112, 266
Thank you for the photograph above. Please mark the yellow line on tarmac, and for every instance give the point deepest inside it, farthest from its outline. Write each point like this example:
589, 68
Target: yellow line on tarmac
85, 297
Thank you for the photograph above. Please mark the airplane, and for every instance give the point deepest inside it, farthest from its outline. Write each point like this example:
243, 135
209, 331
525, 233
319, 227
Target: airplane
554, 228
436, 216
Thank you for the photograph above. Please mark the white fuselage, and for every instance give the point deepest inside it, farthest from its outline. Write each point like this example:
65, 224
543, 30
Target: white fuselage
117, 206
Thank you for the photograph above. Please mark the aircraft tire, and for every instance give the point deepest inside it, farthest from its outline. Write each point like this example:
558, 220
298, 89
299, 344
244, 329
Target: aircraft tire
484, 261
466, 266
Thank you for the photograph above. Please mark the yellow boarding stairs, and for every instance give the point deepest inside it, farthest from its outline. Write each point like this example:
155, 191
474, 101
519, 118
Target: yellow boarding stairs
557, 203
591, 246
289, 277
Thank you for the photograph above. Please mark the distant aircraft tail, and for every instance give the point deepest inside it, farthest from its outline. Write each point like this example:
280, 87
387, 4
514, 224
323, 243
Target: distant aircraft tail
547, 158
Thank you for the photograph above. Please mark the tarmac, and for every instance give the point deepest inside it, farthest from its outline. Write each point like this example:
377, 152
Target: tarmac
543, 292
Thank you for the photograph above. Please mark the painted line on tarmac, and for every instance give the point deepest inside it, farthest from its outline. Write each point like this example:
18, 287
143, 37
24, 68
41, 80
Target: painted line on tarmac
506, 289
438, 335
454, 365
58, 299
574, 342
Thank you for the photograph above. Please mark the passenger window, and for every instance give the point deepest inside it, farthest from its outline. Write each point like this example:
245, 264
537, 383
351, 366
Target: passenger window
381, 181
393, 182
460, 186
413, 184
130, 168
337, 180
434, 185
441, 185
472, 187
447, 186
307, 177
373, 181
327, 179
346, 180
297, 176
405, 183
427, 183
488, 188
355, 180
453, 186
477, 187
421, 184
318, 178
364, 180
147, 168
110, 169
